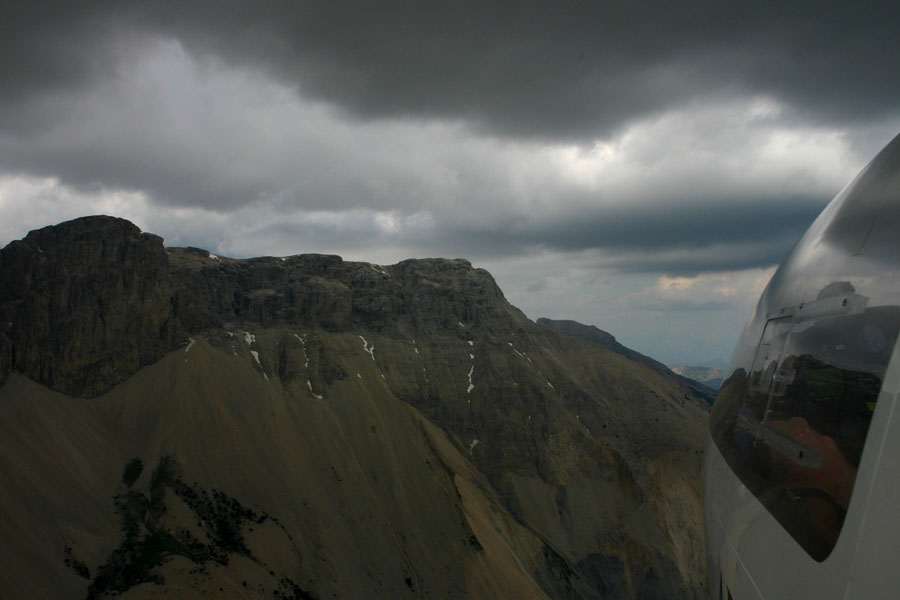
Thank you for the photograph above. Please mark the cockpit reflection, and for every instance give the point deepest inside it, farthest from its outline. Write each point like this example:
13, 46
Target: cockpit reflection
793, 429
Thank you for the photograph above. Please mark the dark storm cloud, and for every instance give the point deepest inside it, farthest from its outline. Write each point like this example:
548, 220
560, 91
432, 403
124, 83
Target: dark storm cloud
567, 69
686, 239
560, 143
555, 70
685, 225
449, 109
48, 48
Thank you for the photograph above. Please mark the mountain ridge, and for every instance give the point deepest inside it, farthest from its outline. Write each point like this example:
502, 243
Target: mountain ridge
552, 467
179, 290
605, 339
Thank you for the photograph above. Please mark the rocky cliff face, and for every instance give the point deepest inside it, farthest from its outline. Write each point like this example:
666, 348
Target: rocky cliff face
89, 302
85, 304
400, 431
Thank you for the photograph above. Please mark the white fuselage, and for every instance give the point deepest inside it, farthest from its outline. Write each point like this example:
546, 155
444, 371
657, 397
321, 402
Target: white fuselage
802, 465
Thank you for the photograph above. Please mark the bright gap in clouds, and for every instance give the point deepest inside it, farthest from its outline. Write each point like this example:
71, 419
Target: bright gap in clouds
717, 148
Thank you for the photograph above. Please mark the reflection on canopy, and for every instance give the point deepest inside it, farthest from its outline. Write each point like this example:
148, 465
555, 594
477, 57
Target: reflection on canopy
794, 426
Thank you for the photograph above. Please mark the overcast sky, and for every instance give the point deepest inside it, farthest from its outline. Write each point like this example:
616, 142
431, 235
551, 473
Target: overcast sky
639, 166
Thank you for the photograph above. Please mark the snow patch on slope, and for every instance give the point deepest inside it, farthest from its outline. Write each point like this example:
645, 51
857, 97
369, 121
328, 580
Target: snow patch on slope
303, 343
370, 350
309, 385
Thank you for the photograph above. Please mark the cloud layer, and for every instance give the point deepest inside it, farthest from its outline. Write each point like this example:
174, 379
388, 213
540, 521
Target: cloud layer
657, 143
556, 70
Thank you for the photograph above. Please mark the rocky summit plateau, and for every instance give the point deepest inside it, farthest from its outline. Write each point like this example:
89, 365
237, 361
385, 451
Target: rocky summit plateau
175, 424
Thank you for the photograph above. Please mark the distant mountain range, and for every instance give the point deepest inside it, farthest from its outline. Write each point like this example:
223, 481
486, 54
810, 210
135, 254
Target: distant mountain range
601, 338
710, 376
179, 424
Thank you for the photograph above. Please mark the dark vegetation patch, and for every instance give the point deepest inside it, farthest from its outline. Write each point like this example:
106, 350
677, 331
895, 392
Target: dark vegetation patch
76, 565
131, 472
292, 591
146, 543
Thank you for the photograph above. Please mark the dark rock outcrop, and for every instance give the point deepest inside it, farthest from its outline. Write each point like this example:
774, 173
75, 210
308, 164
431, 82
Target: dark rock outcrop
84, 304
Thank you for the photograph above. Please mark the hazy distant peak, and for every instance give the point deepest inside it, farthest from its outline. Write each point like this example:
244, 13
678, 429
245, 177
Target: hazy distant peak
710, 376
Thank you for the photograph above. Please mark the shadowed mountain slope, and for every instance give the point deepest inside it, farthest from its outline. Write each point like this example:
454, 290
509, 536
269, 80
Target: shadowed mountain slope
607, 340
173, 423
